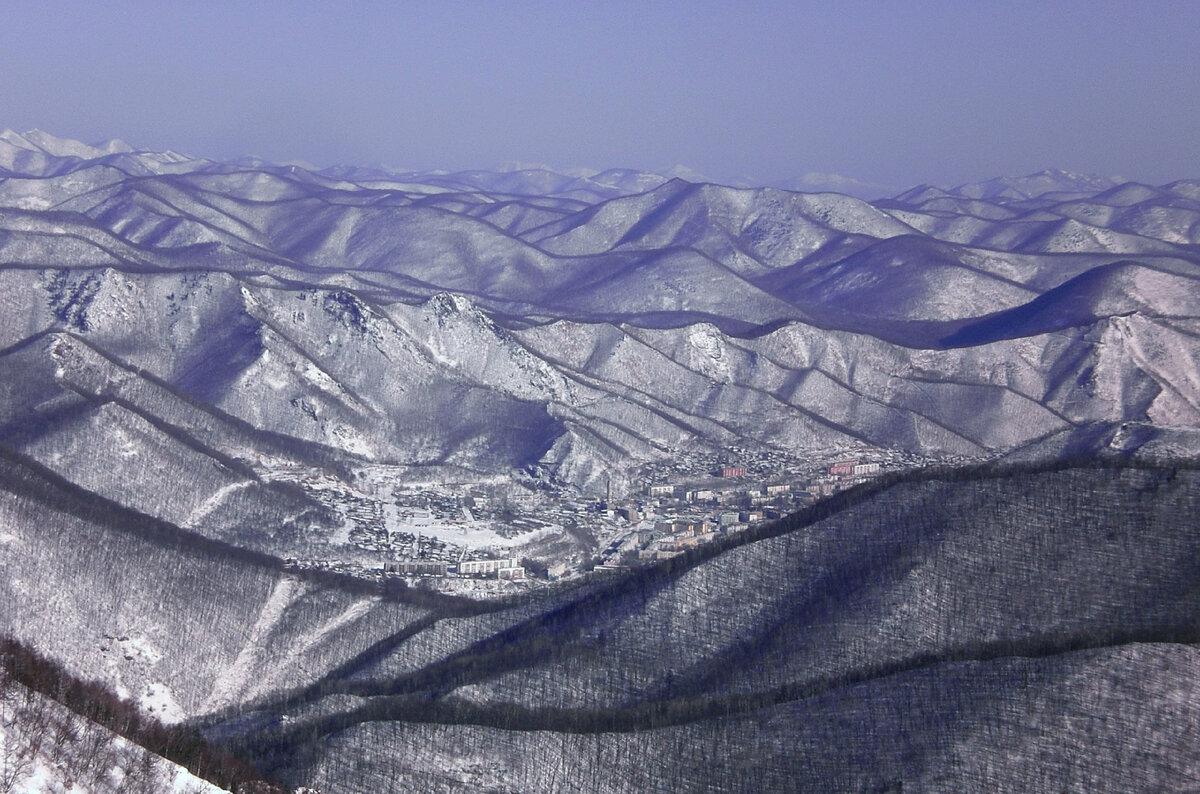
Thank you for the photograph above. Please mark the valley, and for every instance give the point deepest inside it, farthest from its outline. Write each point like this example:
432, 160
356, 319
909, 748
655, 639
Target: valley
527, 481
391, 527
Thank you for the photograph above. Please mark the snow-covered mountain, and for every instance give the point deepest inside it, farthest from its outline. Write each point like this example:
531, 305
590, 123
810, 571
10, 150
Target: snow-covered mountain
208, 368
576, 326
45, 749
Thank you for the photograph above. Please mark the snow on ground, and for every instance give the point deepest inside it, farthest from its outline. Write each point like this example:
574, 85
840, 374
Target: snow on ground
298, 646
212, 502
37, 757
341, 535
238, 676
52, 776
159, 702
471, 534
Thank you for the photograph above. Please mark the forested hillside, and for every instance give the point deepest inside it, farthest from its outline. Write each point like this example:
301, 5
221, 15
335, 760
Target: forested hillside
1016, 628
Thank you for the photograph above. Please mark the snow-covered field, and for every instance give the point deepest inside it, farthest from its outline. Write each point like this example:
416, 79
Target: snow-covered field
468, 532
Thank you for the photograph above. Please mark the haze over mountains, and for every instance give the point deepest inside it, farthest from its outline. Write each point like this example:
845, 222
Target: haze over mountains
199, 359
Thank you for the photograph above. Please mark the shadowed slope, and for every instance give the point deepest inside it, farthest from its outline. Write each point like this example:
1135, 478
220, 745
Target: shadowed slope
1019, 587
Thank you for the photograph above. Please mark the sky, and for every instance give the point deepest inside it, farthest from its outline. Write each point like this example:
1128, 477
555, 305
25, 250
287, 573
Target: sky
891, 93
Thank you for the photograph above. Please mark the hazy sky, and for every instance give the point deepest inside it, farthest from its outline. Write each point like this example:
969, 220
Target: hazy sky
891, 92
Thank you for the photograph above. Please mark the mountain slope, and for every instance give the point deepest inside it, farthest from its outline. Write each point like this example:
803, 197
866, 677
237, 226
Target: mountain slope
179, 623
1014, 626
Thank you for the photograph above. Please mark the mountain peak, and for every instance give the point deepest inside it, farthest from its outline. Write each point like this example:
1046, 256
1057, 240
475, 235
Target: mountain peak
1035, 185
66, 147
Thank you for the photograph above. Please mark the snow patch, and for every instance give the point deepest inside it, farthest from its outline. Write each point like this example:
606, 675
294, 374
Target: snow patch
714, 361
212, 502
238, 677
159, 702
298, 646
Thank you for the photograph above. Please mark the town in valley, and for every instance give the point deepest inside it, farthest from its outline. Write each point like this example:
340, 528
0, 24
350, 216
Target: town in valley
497, 537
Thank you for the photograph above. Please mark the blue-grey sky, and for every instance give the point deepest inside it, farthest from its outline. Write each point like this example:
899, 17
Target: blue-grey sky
891, 92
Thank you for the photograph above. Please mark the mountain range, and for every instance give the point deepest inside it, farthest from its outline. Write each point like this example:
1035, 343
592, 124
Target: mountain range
202, 362
605, 322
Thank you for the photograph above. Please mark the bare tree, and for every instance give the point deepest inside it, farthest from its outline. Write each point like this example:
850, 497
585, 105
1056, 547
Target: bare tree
93, 756
141, 773
15, 755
